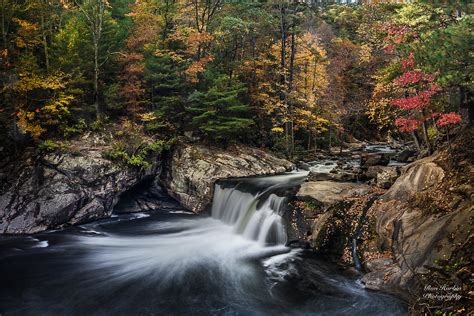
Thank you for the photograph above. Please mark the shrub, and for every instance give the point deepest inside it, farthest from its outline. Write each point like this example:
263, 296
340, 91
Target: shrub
140, 159
49, 146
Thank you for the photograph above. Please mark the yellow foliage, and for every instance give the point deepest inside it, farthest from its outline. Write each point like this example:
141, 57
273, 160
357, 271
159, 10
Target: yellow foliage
277, 130
27, 35
365, 54
380, 109
30, 81
41, 101
148, 117
27, 124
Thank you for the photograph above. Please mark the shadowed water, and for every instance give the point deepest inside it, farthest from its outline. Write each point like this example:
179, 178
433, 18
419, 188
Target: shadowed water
174, 263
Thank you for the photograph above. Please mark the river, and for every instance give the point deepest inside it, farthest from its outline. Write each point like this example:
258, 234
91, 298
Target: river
170, 262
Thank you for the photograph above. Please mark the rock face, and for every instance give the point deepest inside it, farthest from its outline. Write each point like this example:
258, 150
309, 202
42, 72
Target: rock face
415, 238
59, 189
37, 194
192, 171
325, 205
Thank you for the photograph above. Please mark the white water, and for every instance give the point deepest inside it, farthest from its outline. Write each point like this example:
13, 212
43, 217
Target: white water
239, 209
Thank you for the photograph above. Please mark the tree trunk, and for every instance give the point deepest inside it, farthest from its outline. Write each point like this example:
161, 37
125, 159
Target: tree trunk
283, 47
466, 102
292, 60
45, 41
282, 74
290, 88
416, 140
425, 134
96, 79
330, 139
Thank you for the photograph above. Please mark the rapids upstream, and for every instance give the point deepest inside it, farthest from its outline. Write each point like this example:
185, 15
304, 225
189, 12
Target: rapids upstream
172, 262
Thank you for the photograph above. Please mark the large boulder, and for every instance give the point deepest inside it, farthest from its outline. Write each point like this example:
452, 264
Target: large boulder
192, 170
329, 192
384, 176
416, 241
418, 176
58, 189
374, 159
405, 155
341, 176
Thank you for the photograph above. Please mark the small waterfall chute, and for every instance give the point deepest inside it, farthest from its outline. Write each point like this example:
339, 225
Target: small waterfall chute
256, 216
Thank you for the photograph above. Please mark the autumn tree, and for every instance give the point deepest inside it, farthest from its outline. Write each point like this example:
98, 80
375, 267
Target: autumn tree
97, 16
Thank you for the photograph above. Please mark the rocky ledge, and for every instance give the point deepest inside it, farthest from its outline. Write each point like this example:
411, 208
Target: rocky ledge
54, 190
40, 193
192, 170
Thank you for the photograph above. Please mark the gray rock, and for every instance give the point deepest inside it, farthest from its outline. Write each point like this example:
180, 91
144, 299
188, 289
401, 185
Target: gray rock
329, 192
387, 176
378, 264
61, 189
303, 165
404, 155
339, 176
418, 176
374, 159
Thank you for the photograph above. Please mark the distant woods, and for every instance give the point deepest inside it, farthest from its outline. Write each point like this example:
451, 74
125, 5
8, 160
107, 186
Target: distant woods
295, 76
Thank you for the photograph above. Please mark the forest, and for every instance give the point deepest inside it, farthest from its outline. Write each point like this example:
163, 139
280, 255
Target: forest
292, 76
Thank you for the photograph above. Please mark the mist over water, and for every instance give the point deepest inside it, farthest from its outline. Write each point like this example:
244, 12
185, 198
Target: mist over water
233, 262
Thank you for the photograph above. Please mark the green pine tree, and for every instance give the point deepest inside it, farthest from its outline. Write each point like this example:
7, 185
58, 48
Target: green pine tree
164, 77
219, 113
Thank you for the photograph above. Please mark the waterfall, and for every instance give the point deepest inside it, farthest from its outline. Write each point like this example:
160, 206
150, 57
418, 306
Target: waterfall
255, 216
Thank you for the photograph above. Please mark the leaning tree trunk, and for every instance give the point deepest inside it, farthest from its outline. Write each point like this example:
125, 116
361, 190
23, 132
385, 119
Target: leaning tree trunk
425, 134
416, 140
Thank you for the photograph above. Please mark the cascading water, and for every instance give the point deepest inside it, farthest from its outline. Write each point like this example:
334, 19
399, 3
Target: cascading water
171, 262
263, 223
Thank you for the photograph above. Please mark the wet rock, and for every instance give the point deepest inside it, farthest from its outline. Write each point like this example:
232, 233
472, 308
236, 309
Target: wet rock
303, 165
404, 155
374, 159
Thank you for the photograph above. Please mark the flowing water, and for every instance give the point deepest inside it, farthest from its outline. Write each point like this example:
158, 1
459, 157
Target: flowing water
171, 262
